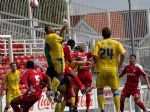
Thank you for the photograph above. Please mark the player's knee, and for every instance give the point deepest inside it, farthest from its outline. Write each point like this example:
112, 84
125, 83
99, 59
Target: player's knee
137, 100
99, 93
115, 93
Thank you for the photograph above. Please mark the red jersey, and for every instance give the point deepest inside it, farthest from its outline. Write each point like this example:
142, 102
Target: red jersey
133, 73
34, 80
67, 52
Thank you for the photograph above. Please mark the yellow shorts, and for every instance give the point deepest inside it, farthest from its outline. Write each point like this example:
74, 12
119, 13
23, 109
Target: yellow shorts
59, 64
11, 94
107, 78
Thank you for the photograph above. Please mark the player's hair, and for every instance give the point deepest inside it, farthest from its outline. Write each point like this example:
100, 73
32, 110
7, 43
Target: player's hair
71, 43
46, 28
30, 64
133, 55
106, 32
76, 48
12, 63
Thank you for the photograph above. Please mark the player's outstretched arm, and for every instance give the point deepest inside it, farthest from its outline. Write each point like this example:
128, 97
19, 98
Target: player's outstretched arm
147, 81
122, 57
65, 26
121, 75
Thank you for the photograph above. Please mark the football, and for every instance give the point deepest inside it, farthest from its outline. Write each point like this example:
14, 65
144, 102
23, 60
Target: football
34, 3
65, 22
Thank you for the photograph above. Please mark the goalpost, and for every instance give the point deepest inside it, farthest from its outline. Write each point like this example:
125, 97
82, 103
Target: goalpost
9, 38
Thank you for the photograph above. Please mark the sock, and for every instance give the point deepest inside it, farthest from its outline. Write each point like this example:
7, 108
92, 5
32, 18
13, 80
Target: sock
78, 82
58, 107
6, 109
117, 101
72, 100
77, 99
100, 99
121, 105
63, 104
55, 83
88, 100
141, 105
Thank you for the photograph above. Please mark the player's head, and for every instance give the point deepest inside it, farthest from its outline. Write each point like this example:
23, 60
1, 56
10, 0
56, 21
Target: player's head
82, 48
132, 59
13, 66
76, 49
106, 32
30, 64
49, 30
71, 43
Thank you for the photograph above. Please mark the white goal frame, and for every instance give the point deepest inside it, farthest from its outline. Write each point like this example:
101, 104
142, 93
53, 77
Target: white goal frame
10, 47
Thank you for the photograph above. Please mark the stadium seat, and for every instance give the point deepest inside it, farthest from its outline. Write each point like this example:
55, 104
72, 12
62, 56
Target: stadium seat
18, 62
5, 59
16, 57
0, 66
24, 61
22, 57
41, 56
5, 66
29, 57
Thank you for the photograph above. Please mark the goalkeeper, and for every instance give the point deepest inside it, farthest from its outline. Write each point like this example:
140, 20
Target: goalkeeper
55, 55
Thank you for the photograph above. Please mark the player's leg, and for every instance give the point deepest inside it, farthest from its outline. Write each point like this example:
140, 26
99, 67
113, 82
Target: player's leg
87, 78
15, 104
69, 72
71, 96
137, 99
25, 102
122, 100
116, 99
100, 84
61, 106
79, 83
9, 97
113, 81
100, 98
59, 67
88, 101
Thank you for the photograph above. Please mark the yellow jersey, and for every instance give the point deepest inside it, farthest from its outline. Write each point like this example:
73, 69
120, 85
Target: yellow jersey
107, 51
55, 44
12, 79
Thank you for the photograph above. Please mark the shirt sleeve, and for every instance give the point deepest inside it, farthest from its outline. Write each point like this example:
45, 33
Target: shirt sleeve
95, 49
141, 72
121, 49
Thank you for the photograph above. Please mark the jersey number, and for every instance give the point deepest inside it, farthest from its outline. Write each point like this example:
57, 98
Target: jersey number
37, 78
107, 52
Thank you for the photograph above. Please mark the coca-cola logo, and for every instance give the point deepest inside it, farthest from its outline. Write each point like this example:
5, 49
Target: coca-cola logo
82, 100
44, 103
